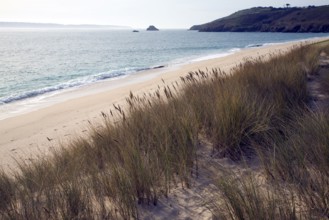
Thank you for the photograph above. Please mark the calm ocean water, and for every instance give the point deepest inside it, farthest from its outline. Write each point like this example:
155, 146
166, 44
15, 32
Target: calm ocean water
34, 63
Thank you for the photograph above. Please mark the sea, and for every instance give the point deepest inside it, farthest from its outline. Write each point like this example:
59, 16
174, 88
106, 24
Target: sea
36, 64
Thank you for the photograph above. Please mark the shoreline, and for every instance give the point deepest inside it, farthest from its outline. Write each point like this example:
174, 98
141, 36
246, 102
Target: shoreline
41, 98
26, 105
27, 135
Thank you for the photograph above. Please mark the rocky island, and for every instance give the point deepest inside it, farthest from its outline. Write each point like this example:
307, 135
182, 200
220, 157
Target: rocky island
269, 19
152, 28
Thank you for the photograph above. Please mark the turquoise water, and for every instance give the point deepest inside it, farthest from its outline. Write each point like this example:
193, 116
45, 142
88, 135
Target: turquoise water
37, 62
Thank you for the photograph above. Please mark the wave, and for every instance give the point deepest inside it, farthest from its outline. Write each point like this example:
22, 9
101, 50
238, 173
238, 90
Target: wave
70, 84
269, 44
255, 45
218, 55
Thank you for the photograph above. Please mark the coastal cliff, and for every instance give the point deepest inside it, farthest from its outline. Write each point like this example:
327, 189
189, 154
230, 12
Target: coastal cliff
270, 19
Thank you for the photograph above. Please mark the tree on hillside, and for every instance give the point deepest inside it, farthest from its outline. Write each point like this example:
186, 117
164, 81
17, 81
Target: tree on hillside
288, 5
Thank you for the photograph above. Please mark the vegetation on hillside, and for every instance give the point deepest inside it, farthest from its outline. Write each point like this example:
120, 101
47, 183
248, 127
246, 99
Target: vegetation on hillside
269, 19
142, 152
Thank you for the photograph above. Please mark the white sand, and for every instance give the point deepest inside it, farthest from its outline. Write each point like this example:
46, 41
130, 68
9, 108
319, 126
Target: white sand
25, 135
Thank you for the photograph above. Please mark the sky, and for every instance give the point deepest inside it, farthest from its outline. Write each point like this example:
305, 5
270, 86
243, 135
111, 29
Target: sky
132, 13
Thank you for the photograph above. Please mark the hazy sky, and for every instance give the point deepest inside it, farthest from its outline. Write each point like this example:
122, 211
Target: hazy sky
133, 13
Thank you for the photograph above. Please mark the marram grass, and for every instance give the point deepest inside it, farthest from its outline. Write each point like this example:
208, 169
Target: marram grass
145, 149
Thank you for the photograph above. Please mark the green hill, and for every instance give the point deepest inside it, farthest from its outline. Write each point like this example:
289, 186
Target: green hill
269, 19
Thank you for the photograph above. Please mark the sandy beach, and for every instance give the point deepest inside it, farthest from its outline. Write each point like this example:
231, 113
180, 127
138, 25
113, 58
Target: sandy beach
28, 134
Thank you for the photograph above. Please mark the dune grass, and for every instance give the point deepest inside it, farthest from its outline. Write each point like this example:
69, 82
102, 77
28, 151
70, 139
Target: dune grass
295, 167
144, 150
248, 108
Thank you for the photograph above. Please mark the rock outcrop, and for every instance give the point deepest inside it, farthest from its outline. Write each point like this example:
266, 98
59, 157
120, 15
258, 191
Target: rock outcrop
152, 28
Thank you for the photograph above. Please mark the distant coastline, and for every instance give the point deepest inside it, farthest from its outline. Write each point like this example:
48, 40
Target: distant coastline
54, 25
309, 19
